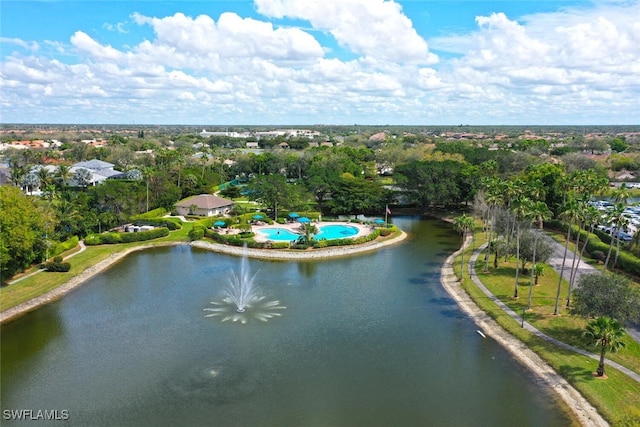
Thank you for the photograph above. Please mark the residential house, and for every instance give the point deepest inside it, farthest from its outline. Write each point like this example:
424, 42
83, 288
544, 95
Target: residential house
204, 205
100, 171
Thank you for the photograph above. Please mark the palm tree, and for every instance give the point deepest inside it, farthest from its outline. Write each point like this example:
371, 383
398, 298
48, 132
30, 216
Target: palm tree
570, 213
63, 175
45, 177
607, 334
538, 270
463, 223
615, 218
494, 197
521, 207
308, 230
539, 211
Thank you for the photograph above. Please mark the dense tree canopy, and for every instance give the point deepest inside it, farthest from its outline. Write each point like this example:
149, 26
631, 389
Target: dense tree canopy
25, 224
430, 183
608, 295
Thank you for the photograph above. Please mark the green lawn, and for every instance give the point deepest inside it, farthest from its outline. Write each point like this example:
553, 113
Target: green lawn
616, 397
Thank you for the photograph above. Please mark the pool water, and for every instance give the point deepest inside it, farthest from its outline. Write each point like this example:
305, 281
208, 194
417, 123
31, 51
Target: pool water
336, 231
280, 234
327, 232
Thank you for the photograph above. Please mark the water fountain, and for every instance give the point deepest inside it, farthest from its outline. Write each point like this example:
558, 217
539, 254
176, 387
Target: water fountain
243, 294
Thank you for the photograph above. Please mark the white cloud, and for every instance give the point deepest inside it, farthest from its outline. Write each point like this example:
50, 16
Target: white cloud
86, 44
232, 36
375, 28
33, 46
573, 65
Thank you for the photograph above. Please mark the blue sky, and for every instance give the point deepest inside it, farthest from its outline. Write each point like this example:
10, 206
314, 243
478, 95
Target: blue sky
421, 62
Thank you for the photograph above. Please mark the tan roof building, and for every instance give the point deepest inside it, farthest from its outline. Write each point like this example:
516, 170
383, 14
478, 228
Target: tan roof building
204, 205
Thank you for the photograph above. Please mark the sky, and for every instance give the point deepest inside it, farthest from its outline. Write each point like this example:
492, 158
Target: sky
333, 62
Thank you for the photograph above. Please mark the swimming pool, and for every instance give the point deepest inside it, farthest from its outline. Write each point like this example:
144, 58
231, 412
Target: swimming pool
336, 231
280, 234
327, 232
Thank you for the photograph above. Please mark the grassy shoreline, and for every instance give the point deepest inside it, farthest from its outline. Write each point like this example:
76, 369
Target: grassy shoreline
616, 397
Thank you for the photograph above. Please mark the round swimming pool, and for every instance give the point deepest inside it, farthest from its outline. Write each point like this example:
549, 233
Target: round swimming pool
327, 232
336, 231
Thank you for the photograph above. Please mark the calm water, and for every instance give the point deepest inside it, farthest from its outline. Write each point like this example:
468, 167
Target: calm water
371, 340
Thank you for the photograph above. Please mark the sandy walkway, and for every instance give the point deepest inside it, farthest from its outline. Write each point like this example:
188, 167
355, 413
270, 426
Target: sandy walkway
583, 410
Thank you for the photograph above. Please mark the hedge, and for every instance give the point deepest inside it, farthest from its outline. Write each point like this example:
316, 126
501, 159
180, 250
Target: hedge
234, 240
113, 237
170, 223
58, 267
197, 232
67, 245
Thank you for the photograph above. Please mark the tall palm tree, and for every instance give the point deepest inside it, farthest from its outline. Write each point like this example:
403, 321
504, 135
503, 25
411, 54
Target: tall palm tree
539, 211
521, 206
607, 334
494, 196
569, 213
463, 223
580, 219
615, 217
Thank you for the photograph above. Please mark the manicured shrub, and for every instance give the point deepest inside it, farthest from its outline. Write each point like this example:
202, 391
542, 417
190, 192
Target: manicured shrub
67, 245
320, 244
59, 267
196, 233
279, 245
111, 238
170, 223
386, 231
57, 259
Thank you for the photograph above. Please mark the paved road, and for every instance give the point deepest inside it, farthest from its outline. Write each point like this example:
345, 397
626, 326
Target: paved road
582, 268
529, 327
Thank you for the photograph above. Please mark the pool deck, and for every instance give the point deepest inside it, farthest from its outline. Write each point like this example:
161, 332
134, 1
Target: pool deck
308, 254
294, 227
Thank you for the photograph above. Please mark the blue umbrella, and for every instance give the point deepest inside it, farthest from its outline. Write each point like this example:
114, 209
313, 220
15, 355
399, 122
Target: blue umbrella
304, 219
379, 221
294, 215
219, 224
257, 216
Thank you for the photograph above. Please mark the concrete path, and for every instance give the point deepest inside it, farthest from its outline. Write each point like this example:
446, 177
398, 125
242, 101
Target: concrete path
82, 249
518, 317
582, 268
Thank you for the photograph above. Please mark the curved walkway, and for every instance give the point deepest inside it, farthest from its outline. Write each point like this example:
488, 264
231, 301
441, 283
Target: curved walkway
583, 410
82, 249
526, 325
